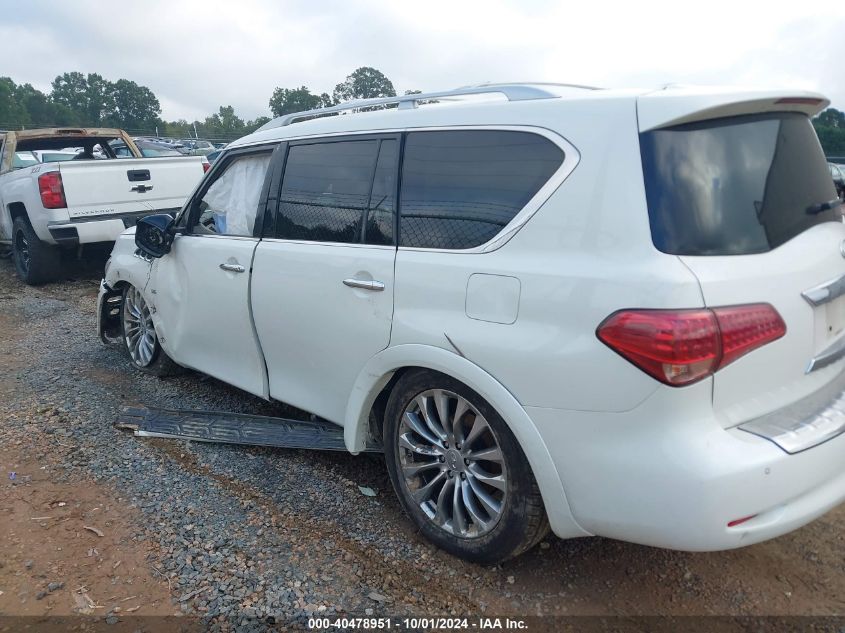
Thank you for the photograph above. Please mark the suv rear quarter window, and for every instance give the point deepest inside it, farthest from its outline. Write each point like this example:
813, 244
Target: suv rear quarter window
460, 188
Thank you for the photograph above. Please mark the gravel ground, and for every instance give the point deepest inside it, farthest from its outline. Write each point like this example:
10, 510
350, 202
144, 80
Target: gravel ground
251, 536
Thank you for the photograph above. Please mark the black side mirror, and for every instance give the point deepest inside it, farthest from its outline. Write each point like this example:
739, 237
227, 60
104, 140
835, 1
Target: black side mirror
154, 234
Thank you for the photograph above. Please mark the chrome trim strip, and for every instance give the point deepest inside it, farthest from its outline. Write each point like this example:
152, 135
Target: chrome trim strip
823, 293
794, 430
827, 356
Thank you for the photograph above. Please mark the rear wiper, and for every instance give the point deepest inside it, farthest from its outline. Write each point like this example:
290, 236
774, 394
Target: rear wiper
815, 209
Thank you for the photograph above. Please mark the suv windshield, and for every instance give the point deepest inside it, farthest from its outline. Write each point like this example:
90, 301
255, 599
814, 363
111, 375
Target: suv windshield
737, 185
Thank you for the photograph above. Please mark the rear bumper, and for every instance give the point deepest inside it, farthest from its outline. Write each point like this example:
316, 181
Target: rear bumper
667, 474
75, 233
88, 230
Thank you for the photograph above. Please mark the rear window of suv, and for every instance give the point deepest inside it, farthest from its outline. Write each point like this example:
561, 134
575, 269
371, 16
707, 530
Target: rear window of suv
735, 186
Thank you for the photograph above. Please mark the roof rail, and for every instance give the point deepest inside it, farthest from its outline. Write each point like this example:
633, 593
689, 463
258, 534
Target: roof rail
511, 91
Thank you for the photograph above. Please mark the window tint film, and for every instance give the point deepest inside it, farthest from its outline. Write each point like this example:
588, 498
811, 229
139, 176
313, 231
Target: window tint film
380, 216
326, 191
735, 186
460, 188
230, 205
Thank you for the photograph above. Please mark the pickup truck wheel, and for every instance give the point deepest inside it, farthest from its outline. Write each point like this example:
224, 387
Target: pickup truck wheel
35, 261
140, 338
459, 471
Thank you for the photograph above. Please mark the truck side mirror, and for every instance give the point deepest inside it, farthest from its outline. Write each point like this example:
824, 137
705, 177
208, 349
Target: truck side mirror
154, 235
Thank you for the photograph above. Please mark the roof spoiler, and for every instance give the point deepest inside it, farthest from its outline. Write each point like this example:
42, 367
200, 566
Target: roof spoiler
672, 106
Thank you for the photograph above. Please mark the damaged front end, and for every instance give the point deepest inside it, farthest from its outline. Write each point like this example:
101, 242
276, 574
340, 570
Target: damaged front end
109, 305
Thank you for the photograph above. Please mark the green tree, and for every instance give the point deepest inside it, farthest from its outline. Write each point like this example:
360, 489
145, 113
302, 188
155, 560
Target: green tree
256, 123
831, 118
830, 127
224, 124
132, 107
99, 96
364, 83
71, 90
12, 113
40, 110
287, 100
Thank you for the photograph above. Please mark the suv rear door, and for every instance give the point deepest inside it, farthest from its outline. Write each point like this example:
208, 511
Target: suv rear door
748, 204
322, 284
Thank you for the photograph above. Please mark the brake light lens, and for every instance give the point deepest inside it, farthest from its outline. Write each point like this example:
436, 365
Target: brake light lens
745, 328
680, 347
800, 101
52, 191
205, 166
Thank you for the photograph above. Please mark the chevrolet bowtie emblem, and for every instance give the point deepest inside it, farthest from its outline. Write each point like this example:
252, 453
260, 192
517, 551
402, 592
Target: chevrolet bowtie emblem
142, 188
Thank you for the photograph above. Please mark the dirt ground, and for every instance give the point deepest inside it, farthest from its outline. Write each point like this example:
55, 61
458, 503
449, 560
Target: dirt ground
70, 546
46, 510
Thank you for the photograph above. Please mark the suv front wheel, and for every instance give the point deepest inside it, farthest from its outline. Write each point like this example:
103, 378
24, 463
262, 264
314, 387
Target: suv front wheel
459, 471
140, 338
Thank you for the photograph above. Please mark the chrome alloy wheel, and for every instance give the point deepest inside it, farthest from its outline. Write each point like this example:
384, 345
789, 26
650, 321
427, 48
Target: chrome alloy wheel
452, 464
138, 330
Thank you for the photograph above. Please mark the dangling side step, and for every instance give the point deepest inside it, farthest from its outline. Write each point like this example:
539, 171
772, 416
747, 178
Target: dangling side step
234, 428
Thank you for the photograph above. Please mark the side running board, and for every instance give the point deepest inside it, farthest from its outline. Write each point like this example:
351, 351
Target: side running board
234, 428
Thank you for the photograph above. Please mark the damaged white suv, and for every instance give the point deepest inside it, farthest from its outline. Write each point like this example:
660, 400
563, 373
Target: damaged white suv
617, 313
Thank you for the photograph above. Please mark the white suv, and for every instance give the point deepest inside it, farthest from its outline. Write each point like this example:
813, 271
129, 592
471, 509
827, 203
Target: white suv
617, 313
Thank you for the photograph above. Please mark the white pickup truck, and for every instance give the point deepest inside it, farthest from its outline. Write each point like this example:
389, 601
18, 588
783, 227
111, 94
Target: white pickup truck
92, 197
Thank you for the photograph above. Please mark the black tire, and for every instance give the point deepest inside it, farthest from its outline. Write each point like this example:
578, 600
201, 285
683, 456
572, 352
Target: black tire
522, 521
35, 262
159, 363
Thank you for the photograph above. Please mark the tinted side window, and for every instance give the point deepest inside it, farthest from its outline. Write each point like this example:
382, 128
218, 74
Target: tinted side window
460, 188
326, 191
380, 215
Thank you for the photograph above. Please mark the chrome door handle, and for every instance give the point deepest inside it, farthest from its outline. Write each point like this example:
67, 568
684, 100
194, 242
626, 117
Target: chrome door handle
364, 284
233, 268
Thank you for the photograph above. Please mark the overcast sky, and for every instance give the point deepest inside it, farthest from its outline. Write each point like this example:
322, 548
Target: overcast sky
198, 55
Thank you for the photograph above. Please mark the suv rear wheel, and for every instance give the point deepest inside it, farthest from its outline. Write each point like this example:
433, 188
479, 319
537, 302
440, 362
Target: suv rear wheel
459, 471
35, 261
139, 336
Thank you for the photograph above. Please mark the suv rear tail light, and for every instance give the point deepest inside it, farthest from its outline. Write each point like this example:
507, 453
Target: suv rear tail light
52, 191
205, 166
680, 347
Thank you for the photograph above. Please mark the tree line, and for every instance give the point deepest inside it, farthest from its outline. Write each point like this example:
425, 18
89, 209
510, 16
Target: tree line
830, 126
77, 99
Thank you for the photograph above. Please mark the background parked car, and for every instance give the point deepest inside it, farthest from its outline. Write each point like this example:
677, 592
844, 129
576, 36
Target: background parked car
213, 156
149, 149
838, 174
54, 156
197, 147
24, 159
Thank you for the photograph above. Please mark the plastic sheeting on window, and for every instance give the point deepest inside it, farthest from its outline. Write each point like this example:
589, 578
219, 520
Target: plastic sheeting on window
233, 197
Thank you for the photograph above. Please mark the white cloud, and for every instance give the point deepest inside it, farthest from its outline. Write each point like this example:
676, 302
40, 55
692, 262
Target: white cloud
197, 55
